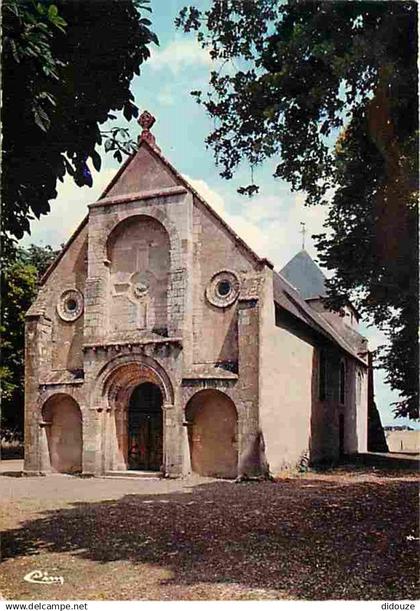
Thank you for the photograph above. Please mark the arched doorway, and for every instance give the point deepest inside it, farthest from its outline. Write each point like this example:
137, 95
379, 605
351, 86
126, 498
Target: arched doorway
63, 425
212, 434
145, 428
117, 388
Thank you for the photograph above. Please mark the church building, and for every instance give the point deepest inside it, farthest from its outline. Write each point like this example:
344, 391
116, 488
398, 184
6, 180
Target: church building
160, 342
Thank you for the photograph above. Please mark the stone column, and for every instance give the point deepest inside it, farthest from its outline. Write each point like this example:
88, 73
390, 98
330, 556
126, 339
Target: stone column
248, 417
172, 437
119, 443
44, 453
92, 441
37, 342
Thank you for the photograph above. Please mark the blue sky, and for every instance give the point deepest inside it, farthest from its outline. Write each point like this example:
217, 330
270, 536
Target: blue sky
269, 222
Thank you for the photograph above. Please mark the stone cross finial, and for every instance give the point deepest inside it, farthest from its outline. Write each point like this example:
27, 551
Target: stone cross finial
146, 121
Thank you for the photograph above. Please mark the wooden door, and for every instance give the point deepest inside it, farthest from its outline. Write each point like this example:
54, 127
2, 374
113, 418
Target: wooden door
145, 428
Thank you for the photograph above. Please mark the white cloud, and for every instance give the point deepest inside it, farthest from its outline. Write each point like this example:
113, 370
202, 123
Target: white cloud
179, 54
375, 336
243, 226
166, 98
270, 224
67, 210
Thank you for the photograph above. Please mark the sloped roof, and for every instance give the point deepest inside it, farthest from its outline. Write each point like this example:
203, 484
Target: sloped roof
158, 153
304, 274
289, 299
154, 150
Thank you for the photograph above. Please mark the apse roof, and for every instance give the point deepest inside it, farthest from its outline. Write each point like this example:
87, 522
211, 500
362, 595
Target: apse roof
304, 274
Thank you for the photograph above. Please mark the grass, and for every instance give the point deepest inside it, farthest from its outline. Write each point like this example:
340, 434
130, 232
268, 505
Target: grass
11, 447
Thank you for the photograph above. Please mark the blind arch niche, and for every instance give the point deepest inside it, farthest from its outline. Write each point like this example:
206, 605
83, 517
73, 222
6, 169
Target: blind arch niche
138, 250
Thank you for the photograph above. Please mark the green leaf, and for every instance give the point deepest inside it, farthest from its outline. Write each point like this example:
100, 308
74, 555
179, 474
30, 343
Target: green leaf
52, 12
96, 160
41, 118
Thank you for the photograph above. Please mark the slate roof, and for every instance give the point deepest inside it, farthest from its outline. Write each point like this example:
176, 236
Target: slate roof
304, 274
289, 299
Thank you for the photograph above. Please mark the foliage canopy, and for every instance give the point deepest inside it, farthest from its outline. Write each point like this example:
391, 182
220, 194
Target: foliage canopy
66, 65
330, 90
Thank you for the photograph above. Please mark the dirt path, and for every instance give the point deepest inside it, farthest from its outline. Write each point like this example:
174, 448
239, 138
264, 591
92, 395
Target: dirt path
333, 536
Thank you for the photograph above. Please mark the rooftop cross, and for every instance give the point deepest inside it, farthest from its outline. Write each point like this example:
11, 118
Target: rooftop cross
303, 232
146, 121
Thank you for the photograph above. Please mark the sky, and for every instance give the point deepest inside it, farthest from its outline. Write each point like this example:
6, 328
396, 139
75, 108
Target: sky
270, 222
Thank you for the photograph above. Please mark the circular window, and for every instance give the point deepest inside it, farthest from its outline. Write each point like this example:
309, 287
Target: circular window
70, 305
223, 289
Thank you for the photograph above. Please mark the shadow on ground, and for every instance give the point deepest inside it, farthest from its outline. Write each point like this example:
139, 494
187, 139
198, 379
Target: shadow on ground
312, 539
390, 461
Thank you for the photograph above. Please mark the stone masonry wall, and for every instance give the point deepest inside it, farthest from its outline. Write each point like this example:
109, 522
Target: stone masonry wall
215, 332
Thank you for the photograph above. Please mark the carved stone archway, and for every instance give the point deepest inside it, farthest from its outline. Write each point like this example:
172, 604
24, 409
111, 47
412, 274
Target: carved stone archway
118, 382
121, 382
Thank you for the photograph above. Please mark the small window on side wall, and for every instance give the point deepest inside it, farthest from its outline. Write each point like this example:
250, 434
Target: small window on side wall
342, 383
359, 388
322, 377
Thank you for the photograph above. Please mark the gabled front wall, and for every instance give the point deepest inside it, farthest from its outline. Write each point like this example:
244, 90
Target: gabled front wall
178, 340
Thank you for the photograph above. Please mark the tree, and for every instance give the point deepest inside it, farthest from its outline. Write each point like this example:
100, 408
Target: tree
330, 89
19, 287
66, 65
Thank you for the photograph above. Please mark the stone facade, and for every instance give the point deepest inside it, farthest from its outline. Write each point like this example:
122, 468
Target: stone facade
159, 340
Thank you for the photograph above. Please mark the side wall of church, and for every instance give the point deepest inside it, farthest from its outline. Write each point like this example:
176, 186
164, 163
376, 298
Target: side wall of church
325, 420
349, 407
286, 388
299, 425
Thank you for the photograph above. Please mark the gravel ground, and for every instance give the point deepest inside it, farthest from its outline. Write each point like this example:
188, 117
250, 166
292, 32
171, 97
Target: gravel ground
340, 535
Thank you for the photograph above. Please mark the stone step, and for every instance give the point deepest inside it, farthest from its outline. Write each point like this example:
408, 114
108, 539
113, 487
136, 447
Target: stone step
131, 474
